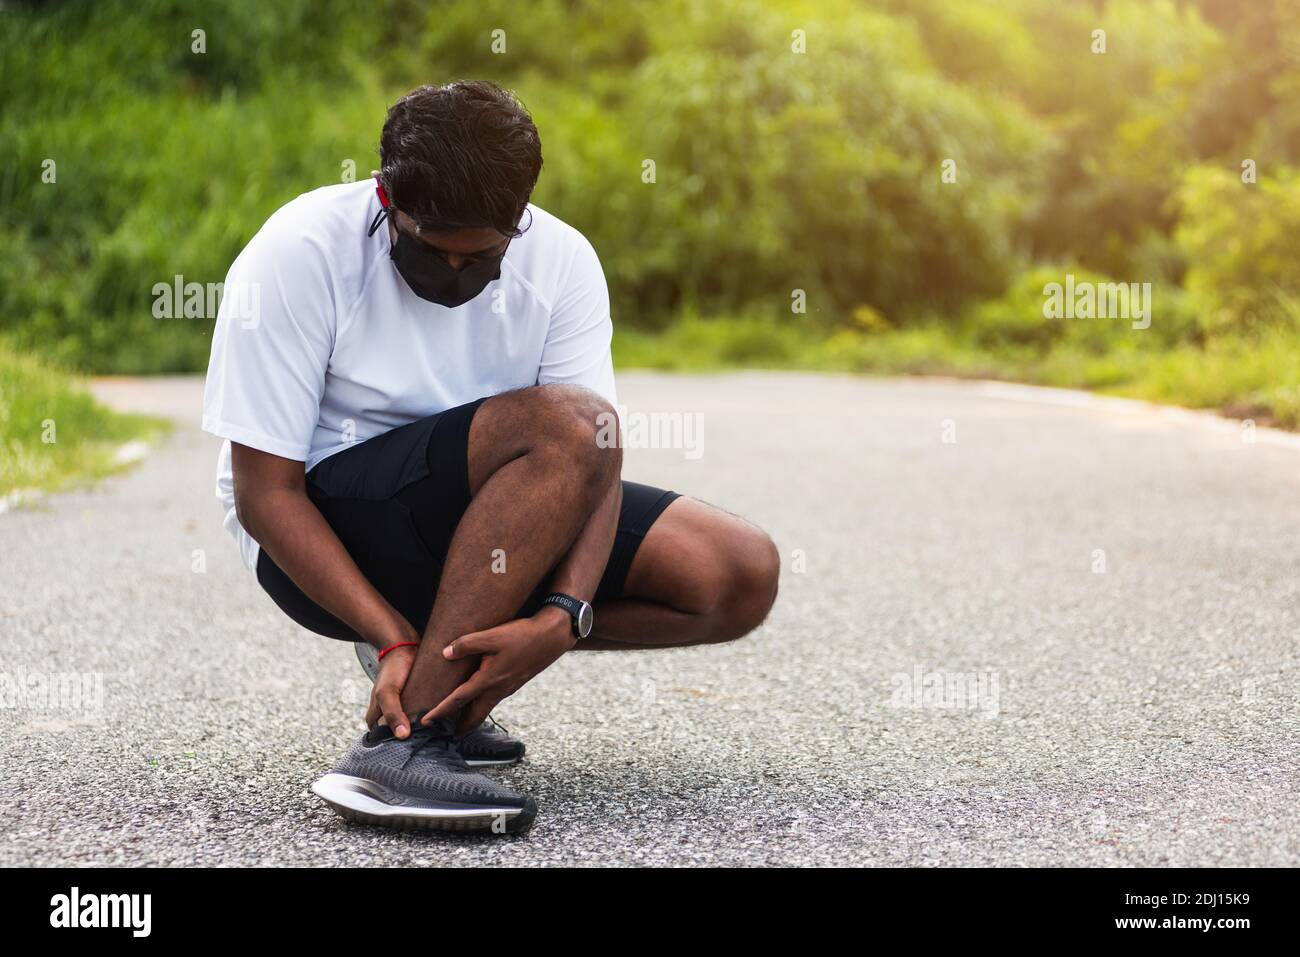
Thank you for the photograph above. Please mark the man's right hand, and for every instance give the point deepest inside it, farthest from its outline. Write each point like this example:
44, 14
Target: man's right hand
386, 695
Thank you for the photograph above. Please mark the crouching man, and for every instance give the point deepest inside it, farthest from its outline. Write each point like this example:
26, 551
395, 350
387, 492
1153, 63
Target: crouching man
419, 396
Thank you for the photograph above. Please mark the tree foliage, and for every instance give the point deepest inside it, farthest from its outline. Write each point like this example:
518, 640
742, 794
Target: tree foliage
777, 166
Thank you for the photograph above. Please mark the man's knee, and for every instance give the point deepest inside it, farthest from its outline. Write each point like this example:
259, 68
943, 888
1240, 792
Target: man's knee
581, 427
744, 585
757, 570
574, 426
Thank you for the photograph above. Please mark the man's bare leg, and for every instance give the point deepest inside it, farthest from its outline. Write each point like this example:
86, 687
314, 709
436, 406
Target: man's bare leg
700, 576
536, 476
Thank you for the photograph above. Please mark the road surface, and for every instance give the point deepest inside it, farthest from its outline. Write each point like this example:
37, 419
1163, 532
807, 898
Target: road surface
1015, 628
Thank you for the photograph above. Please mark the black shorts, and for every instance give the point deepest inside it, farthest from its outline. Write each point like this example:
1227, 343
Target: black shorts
395, 501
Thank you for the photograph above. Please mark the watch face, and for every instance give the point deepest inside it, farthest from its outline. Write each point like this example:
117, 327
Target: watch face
586, 618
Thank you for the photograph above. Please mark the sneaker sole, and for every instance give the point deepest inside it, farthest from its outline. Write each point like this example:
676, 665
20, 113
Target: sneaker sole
363, 801
368, 658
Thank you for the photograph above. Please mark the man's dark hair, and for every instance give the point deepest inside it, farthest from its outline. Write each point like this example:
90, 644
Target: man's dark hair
460, 156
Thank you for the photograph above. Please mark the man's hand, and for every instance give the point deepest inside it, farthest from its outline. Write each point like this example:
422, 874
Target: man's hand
386, 695
513, 654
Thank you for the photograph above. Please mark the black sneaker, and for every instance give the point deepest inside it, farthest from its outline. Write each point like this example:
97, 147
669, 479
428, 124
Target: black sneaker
487, 745
420, 783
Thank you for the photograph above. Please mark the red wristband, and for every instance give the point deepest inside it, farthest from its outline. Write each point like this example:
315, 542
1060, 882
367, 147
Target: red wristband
400, 644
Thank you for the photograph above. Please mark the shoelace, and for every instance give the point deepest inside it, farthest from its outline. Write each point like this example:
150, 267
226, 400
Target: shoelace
435, 739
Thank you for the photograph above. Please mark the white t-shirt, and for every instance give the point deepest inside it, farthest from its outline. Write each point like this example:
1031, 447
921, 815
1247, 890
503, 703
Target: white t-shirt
319, 342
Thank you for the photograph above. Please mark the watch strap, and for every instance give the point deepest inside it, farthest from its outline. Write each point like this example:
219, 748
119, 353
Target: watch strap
571, 605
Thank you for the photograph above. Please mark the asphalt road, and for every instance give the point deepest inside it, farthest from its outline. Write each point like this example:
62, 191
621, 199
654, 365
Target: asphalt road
1015, 628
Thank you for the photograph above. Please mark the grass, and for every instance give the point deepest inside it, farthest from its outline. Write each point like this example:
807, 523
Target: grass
53, 434
1244, 377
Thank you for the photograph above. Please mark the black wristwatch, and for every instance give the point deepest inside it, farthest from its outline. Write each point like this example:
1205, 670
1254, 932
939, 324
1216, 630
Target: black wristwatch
579, 610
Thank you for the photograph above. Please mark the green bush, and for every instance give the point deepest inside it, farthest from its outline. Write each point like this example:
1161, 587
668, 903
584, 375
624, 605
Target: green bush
1242, 241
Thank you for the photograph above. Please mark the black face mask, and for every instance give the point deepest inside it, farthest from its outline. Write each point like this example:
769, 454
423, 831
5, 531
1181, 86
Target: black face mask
431, 277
